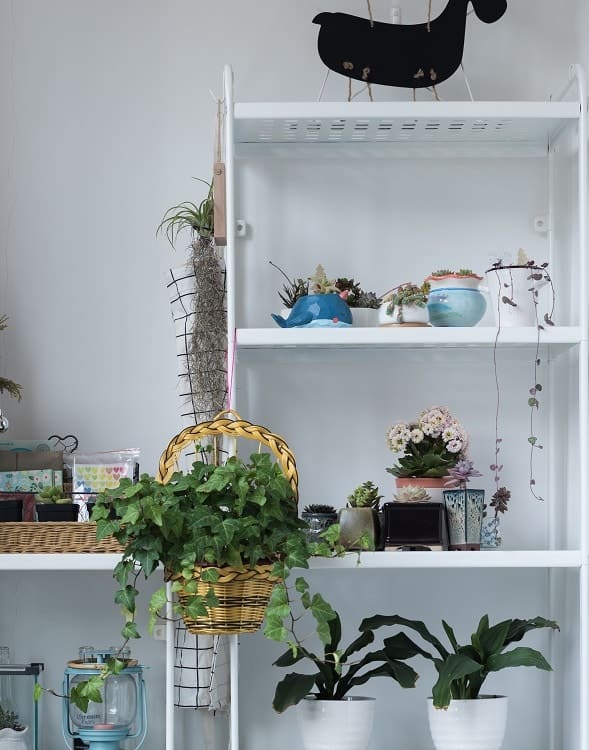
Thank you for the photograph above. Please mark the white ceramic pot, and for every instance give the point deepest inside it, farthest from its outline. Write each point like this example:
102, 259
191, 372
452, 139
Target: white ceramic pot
411, 315
469, 724
13, 740
364, 317
514, 282
336, 725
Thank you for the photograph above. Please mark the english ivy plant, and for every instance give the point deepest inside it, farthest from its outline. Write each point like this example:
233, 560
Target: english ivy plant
462, 670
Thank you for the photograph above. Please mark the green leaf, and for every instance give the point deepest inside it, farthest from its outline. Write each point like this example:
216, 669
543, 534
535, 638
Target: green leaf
451, 637
454, 667
292, 689
37, 692
210, 575
130, 631
126, 598
378, 621
158, 600
518, 657
518, 628
493, 640
275, 629
131, 515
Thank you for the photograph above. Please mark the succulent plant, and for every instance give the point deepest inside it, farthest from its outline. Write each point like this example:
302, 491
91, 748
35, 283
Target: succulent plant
319, 508
320, 284
448, 272
365, 496
9, 720
407, 294
355, 296
412, 494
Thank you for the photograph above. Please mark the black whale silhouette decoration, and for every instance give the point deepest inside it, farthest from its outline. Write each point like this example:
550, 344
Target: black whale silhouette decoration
406, 55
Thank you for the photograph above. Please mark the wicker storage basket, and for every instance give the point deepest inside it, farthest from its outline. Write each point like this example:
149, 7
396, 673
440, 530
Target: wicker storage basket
243, 594
32, 537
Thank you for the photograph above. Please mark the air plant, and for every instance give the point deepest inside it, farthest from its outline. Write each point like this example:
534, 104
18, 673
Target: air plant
188, 215
293, 290
13, 389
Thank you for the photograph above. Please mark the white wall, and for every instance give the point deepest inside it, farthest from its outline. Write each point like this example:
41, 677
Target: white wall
106, 117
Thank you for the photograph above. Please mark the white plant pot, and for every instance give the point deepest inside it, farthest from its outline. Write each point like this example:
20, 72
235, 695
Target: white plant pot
469, 724
514, 282
412, 315
336, 725
364, 317
12, 740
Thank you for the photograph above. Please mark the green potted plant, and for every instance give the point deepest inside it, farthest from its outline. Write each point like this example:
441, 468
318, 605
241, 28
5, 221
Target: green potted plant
240, 515
364, 305
405, 305
328, 716
359, 520
292, 291
430, 446
318, 517
197, 218
13, 735
52, 505
474, 721
321, 307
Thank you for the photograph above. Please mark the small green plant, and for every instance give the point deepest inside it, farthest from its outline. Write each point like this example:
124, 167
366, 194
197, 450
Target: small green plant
52, 496
320, 284
9, 386
293, 290
405, 295
187, 215
355, 296
334, 673
319, 508
365, 496
462, 670
9, 720
448, 272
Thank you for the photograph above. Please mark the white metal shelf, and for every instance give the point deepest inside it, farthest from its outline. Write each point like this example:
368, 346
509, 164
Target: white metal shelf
560, 337
60, 561
482, 559
401, 128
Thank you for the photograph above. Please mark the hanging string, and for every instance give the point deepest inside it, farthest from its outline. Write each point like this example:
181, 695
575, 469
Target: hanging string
429, 14
370, 13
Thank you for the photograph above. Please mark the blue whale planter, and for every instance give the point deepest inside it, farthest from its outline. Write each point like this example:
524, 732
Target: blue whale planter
317, 310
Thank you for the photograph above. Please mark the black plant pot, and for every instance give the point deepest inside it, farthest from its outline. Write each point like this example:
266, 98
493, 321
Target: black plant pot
11, 510
57, 512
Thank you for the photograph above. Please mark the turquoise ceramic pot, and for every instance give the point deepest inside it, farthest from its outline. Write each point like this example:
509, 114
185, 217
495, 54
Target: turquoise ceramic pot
456, 307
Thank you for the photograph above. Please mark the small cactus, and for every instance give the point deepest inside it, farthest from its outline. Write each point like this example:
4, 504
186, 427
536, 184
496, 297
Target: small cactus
365, 496
412, 494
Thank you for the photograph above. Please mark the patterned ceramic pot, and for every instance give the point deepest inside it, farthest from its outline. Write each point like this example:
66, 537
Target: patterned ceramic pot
464, 511
456, 307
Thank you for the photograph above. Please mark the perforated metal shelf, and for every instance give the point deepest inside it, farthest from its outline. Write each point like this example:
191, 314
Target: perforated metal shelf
401, 128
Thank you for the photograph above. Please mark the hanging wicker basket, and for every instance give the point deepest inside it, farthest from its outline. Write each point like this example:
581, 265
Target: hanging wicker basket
243, 595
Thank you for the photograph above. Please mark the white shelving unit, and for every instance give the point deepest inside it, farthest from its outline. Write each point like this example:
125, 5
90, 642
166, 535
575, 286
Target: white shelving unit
268, 141
544, 140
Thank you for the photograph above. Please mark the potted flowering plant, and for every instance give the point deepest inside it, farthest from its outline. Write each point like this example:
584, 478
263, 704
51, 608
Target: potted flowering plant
431, 446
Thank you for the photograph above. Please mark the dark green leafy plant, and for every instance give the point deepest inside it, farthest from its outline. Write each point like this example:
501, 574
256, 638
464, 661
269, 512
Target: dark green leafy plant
188, 215
462, 670
9, 386
448, 272
335, 672
355, 296
319, 508
293, 290
238, 514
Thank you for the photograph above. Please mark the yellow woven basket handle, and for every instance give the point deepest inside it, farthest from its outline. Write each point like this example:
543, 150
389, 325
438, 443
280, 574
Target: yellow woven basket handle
231, 424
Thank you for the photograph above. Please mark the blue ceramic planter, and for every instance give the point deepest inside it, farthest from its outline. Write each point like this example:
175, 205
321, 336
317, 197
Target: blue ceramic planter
317, 310
456, 307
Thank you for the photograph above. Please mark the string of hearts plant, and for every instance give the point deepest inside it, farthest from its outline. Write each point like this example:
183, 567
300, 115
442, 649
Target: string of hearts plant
537, 277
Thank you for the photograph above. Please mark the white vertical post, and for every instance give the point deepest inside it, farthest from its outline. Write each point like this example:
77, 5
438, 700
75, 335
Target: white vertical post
577, 74
231, 353
169, 670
